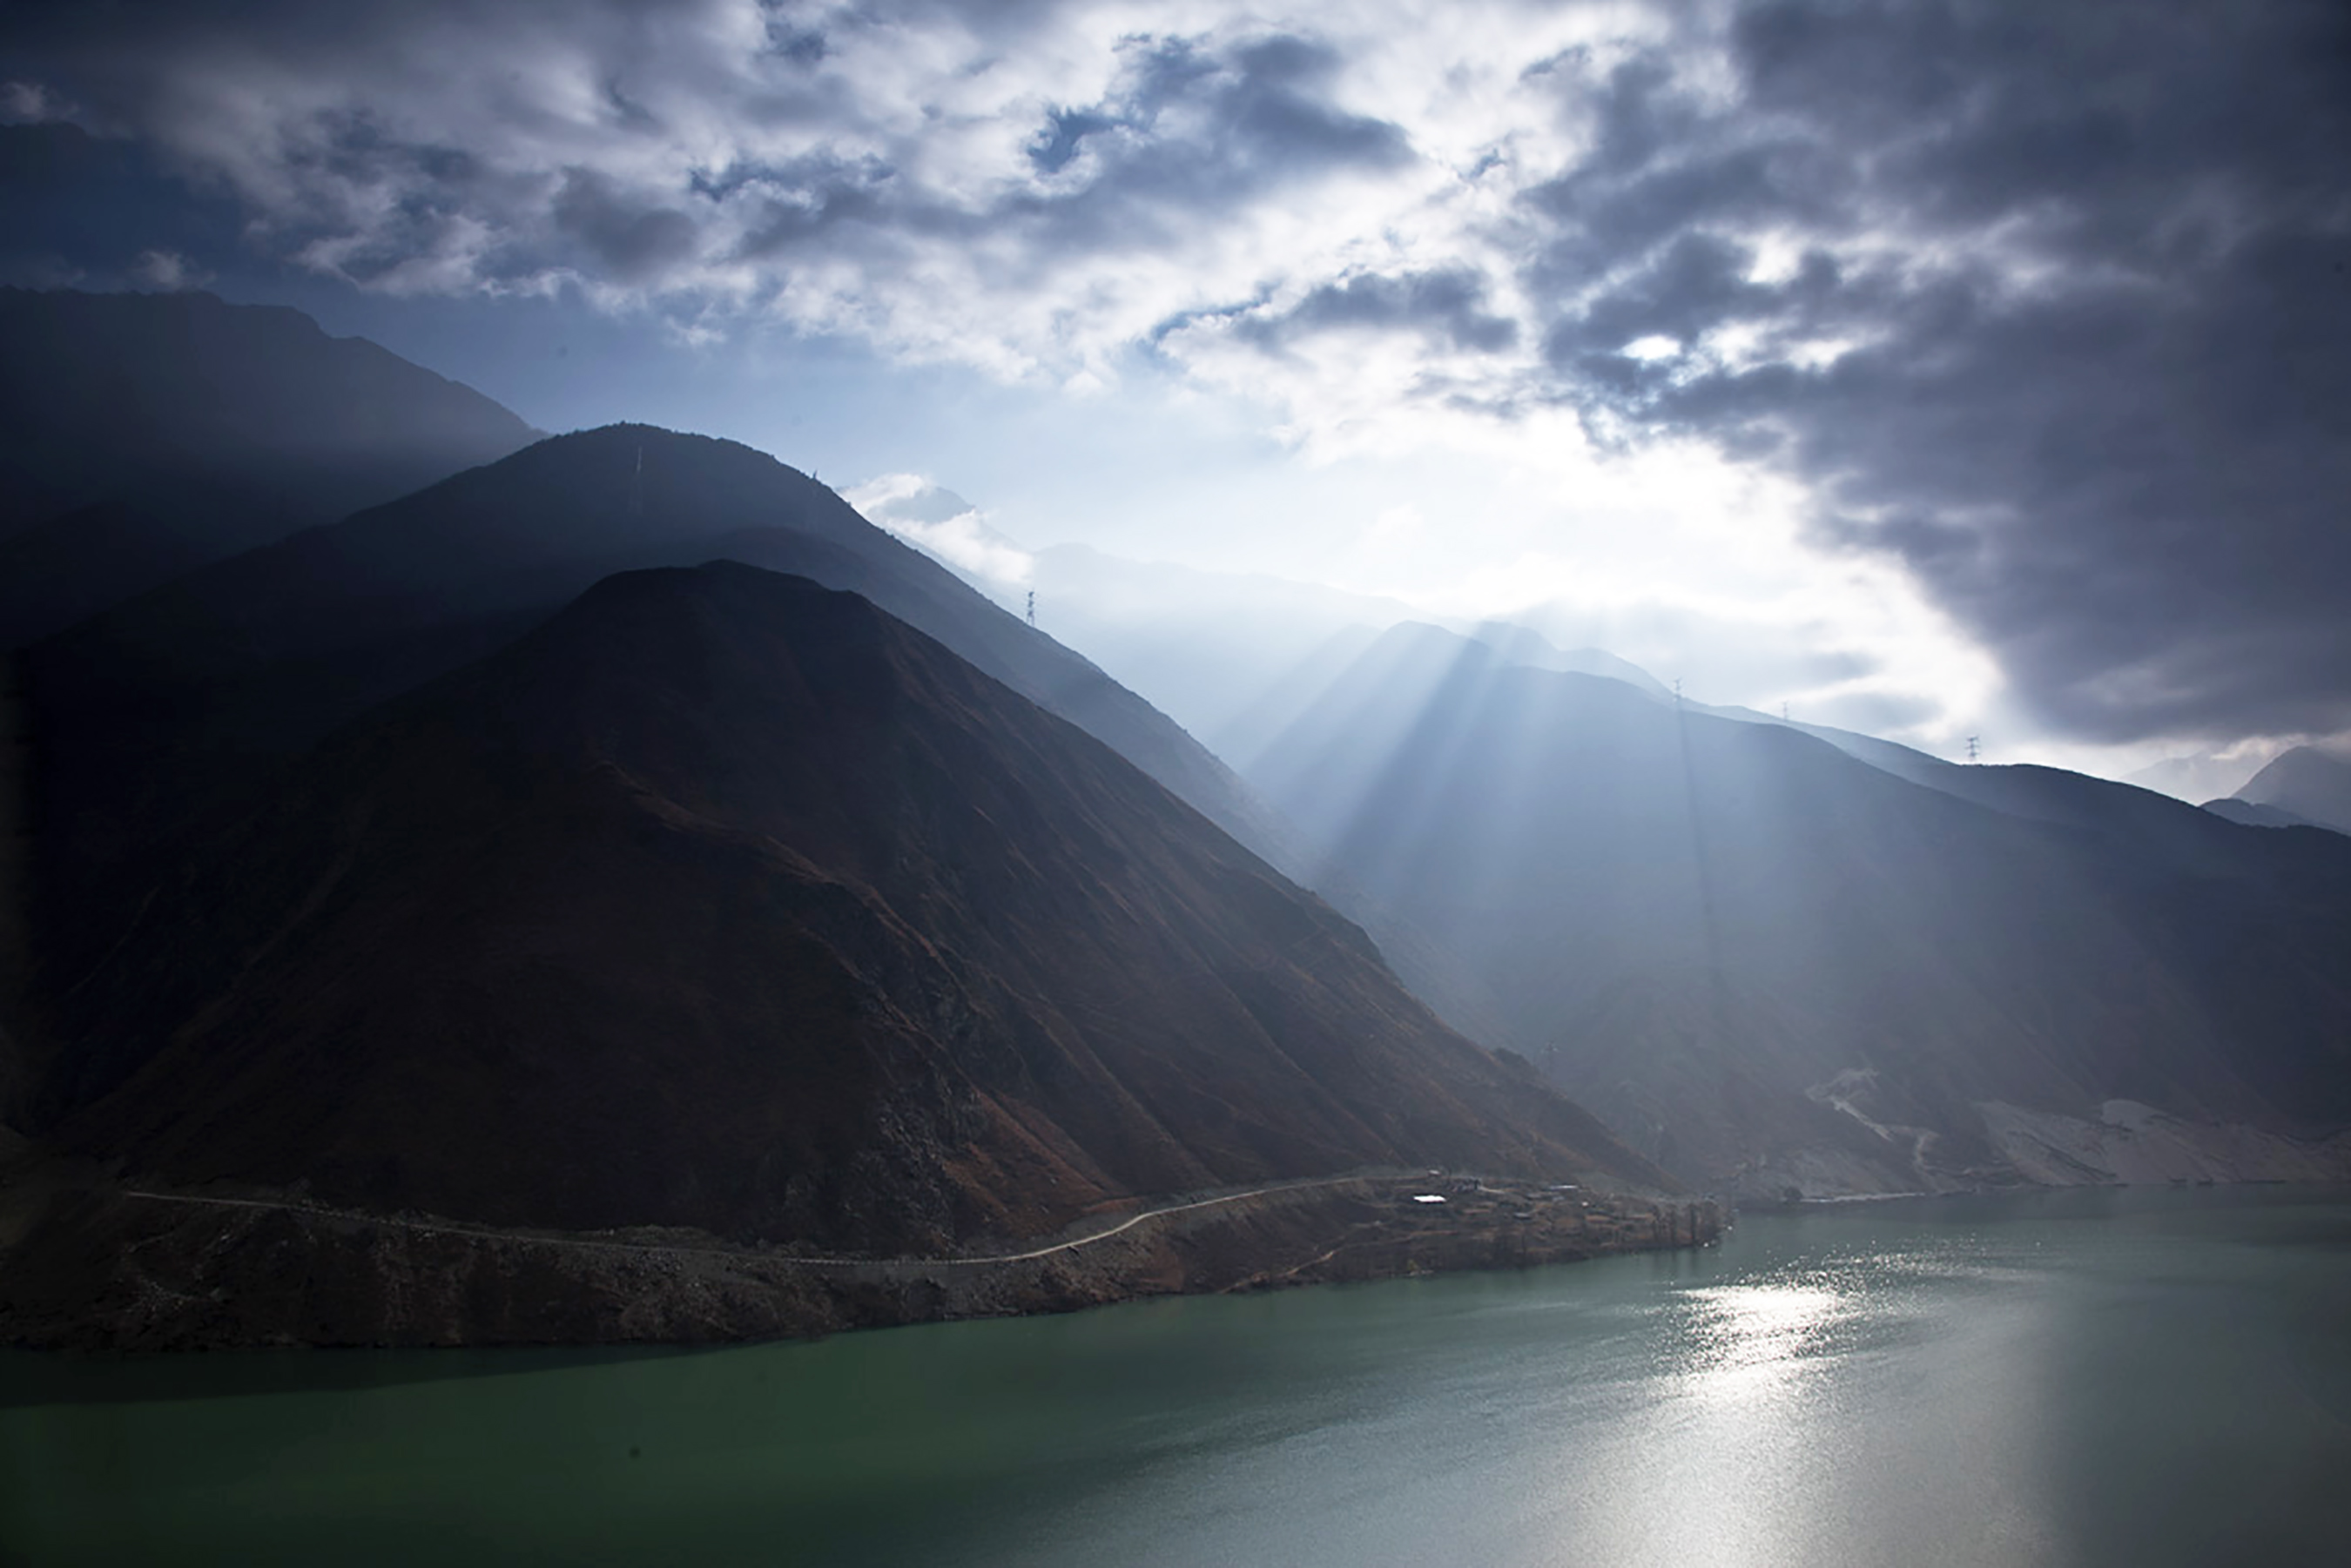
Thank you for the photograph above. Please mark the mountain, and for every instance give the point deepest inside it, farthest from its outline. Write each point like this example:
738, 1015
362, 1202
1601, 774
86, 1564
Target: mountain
142, 435
2199, 776
1232, 656
722, 899
1772, 965
2311, 784
175, 703
2252, 816
1246, 735
2030, 791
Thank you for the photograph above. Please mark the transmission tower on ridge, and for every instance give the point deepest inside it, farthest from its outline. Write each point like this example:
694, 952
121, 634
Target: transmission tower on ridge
1032, 607
1972, 748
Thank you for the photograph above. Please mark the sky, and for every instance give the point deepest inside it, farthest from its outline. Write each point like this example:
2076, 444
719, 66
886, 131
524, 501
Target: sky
1934, 369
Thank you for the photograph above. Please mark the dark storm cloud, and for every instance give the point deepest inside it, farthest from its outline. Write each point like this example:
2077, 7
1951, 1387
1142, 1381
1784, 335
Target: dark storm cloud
631, 239
2079, 277
1449, 307
1187, 131
1191, 132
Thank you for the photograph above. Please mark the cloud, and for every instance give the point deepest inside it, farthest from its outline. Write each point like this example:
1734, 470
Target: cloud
2084, 275
1448, 306
946, 525
167, 271
27, 103
2049, 306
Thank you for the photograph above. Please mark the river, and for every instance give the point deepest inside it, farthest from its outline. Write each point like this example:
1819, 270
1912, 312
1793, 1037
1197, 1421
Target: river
2083, 1377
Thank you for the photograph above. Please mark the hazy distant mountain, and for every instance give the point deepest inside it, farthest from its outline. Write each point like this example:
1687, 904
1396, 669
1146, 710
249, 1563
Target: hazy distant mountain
2247, 814
2197, 777
172, 703
726, 901
1281, 703
1232, 656
1523, 646
1201, 644
2313, 785
2028, 791
2036, 793
144, 434
1770, 964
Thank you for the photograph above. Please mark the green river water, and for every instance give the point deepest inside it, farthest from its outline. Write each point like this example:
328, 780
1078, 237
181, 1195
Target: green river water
2125, 1377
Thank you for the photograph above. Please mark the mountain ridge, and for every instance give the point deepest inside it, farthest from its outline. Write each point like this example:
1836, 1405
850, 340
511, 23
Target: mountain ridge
2304, 782
143, 435
173, 703
1762, 960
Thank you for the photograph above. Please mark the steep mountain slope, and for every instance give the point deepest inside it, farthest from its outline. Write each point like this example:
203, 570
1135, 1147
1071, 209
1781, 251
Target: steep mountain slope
1770, 964
2311, 784
145, 716
722, 900
142, 435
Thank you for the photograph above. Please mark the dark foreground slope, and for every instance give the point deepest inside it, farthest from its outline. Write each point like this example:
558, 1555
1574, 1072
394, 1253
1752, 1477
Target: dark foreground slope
726, 902
144, 434
1772, 965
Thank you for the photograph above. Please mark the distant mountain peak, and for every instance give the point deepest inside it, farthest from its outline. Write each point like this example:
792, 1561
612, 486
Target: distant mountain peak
2308, 781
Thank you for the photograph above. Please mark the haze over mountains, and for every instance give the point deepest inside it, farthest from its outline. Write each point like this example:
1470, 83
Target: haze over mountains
442, 858
1777, 966
622, 831
1232, 657
142, 435
2305, 784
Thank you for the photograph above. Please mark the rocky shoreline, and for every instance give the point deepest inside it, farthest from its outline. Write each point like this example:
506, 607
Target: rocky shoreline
101, 1266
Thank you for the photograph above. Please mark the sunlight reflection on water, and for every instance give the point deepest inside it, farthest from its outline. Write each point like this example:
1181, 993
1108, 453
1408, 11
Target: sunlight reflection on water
1748, 1340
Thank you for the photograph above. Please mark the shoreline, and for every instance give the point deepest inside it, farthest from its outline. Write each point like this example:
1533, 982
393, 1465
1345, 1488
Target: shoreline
115, 1269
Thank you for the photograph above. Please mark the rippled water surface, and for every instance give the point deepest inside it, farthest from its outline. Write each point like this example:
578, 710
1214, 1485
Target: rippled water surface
2092, 1377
